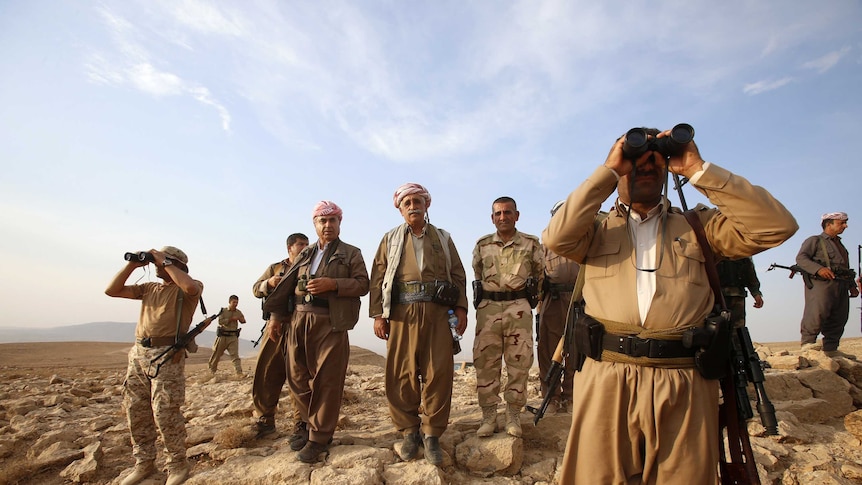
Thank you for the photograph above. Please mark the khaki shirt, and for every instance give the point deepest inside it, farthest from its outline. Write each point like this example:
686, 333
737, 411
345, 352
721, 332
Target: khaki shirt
159, 309
747, 220
225, 319
261, 289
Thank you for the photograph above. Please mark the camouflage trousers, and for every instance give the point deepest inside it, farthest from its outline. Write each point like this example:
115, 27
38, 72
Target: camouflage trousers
504, 332
154, 404
736, 305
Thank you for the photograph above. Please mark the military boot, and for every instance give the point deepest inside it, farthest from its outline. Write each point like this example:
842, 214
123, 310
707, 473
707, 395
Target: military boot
141, 471
409, 445
513, 420
489, 421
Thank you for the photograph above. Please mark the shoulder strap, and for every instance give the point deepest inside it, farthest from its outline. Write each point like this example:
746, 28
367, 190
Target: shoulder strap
708, 255
825, 252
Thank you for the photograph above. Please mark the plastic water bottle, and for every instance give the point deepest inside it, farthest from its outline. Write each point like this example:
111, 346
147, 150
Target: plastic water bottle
456, 339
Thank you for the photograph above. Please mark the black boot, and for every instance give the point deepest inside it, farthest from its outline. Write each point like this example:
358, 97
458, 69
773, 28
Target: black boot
433, 453
410, 445
299, 437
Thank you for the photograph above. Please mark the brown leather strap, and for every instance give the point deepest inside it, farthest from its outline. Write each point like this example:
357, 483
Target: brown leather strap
708, 255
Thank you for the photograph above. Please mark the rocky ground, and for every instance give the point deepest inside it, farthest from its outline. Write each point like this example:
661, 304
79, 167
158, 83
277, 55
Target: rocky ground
61, 422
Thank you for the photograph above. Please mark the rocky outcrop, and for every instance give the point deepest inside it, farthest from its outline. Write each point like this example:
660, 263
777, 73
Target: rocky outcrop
70, 428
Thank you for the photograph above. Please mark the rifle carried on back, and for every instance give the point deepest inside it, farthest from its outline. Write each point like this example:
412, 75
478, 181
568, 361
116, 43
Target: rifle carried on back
736, 460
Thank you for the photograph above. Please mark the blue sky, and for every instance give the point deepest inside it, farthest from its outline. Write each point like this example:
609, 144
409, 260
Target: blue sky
216, 126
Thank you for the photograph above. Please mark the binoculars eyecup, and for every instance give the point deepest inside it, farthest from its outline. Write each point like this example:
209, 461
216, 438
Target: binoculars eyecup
140, 256
638, 142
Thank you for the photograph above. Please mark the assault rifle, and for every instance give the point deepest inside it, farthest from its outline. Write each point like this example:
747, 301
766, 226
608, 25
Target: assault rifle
846, 275
748, 368
181, 343
260, 337
736, 464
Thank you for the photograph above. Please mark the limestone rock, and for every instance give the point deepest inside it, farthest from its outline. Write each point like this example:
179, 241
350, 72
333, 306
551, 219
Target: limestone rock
853, 423
84, 470
485, 456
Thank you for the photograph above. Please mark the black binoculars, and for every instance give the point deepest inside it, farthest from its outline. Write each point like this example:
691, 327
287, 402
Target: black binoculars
638, 142
141, 256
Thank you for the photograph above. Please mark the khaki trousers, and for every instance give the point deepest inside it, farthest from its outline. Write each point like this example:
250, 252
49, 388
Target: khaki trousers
633, 424
419, 368
231, 344
270, 374
317, 370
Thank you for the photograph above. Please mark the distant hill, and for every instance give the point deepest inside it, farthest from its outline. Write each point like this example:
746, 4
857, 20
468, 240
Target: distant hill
114, 332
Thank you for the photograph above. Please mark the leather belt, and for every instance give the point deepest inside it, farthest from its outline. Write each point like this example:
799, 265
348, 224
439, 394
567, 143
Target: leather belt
652, 348
562, 287
309, 299
148, 342
504, 295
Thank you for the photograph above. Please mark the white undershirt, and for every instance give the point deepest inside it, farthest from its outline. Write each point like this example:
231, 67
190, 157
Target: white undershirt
318, 257
644, 234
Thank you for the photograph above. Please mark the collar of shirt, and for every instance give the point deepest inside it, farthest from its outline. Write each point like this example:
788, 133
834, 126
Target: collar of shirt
317, 258
644, 236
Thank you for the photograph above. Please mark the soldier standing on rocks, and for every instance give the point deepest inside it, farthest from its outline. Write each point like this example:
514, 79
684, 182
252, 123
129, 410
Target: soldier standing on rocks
228, 336
270, 371
319, 299
153, 403
509, 269
416, 279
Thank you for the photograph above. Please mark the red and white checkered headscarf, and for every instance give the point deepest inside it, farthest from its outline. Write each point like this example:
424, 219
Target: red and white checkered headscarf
326, 208
411, 188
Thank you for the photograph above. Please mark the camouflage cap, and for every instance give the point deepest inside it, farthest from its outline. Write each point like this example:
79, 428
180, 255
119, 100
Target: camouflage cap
175, 254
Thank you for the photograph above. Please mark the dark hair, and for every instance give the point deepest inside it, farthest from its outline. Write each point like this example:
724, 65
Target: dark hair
291, 240
233, 297
825, 222
503, 200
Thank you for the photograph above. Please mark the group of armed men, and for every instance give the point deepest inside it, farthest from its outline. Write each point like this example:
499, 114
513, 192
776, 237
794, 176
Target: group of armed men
643, 412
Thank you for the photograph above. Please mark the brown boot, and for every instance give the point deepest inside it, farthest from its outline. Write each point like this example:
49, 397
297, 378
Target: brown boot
513, 420
489, 421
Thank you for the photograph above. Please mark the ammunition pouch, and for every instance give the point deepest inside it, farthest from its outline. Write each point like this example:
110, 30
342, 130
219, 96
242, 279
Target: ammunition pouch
712, 344
446, 294
532, 288
440, 292
589, 334
478, 293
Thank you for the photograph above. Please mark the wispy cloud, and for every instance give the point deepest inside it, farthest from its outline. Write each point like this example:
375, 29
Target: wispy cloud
826, 62
760, 87
133, 66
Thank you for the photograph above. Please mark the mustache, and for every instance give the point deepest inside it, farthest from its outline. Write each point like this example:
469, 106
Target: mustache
415, 211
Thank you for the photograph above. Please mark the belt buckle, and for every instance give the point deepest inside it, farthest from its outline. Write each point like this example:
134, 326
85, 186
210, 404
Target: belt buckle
307, 298
146, 342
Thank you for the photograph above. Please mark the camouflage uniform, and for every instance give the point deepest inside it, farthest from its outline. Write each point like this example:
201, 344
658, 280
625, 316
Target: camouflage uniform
154, 403
504, 328
735, 276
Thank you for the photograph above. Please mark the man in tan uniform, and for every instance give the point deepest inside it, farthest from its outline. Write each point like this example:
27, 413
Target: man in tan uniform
227, 336
270, 370
153, 403
643, 414
560, 277
416, 278
509, 266
319, 299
